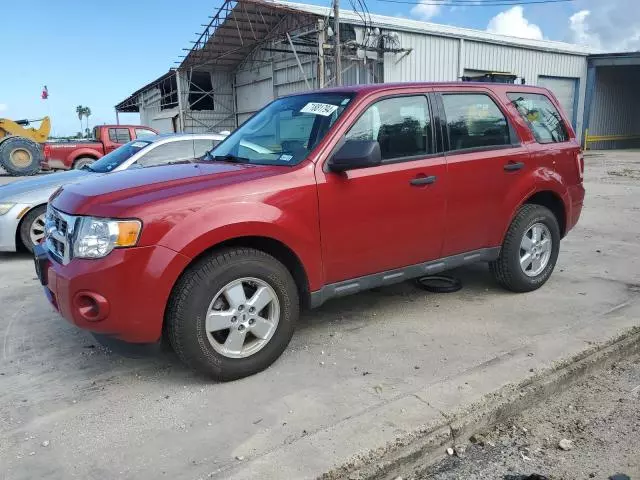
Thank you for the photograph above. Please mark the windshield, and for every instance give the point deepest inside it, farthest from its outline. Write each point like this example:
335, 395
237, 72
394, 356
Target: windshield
116, 158
284, 132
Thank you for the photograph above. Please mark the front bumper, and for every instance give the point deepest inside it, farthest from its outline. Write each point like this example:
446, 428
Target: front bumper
9, 223
123, 295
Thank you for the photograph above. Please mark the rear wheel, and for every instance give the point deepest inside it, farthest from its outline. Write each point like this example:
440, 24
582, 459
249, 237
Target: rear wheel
233, 313
32, 227
530, 250
82, 162
20, 156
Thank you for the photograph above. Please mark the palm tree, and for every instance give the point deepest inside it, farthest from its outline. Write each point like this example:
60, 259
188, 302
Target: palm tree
87, 114
80, 112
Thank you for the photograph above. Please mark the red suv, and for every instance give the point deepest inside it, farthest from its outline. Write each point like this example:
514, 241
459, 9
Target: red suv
318, 195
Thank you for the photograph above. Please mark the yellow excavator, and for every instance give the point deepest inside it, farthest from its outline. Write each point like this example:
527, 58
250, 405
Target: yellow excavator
20, 150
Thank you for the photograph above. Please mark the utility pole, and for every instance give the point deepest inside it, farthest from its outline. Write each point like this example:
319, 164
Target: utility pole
336, 23
321, 42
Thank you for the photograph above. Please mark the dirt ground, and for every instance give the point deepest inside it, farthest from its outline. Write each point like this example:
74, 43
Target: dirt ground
599, 415
360, 371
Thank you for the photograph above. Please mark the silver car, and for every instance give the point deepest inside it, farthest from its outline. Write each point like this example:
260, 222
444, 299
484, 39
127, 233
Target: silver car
23, 203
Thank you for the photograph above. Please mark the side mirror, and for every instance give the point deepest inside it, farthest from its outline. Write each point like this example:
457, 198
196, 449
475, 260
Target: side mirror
356, 154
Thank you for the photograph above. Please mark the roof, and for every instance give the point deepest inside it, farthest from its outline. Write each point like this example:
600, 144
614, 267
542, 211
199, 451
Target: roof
409, 25
376, 87
130, 104
238, 27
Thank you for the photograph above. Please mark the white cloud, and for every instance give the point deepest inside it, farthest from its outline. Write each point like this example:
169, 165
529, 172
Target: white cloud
425, 11
512, 22
4, 107
579, 27
610, 26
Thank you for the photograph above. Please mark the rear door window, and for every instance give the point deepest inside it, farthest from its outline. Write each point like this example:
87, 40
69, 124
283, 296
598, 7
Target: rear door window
541, 116
401, 125
119, 135
171, 152
474, 121
141, 132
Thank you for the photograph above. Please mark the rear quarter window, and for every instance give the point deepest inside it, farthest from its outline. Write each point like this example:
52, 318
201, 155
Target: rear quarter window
541, 116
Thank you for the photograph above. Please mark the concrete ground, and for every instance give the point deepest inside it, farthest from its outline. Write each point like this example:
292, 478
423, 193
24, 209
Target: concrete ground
599, 416
360, 371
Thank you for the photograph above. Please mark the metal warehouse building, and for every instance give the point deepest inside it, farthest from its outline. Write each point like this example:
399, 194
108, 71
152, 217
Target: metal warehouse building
252, 51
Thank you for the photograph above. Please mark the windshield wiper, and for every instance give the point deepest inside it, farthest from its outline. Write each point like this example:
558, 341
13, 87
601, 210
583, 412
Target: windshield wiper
230, 158
88, 167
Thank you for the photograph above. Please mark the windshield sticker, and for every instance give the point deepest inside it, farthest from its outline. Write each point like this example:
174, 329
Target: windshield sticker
285, 158
139, 144
324, 109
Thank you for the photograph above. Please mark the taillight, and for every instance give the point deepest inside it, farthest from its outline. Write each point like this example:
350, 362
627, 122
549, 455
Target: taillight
46, 151
580, 164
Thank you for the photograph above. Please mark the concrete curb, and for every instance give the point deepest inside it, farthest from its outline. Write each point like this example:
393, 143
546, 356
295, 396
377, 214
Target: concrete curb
426, 444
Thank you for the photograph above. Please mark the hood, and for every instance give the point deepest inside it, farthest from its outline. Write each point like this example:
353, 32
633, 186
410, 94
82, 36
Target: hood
42, 186
118, 193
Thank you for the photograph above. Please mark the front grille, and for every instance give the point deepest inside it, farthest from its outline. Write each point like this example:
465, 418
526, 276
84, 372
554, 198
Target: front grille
58, 234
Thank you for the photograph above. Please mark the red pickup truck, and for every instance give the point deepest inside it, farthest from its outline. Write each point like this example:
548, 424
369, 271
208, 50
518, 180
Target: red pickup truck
77, 154
318, 195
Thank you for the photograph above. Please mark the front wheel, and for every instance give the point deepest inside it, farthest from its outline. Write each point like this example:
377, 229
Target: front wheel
530, 250
233, 313
32, 227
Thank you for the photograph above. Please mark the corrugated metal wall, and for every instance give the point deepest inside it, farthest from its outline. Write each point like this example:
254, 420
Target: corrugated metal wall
614, 108
445, 59
433, 59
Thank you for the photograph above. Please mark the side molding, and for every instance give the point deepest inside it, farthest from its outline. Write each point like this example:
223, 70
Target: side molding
355, 285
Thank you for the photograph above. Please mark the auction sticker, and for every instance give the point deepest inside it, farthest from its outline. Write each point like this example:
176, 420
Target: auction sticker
324, 109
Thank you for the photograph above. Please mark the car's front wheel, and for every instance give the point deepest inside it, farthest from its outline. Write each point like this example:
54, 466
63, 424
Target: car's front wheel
32, 227
529, 251
233, 313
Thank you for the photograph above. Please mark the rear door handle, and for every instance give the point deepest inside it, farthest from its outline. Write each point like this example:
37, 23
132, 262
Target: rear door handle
423, 180
513, 166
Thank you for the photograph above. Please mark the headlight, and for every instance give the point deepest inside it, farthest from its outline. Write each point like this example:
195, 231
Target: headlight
5, 207
97, 237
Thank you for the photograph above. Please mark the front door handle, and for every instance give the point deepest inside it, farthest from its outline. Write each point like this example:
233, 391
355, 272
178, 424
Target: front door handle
513, 166
423, 180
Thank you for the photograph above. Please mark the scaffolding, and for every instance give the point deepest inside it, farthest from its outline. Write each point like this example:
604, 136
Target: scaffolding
248, 53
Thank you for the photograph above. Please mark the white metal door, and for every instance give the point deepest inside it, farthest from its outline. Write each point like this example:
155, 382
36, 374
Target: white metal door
565, 91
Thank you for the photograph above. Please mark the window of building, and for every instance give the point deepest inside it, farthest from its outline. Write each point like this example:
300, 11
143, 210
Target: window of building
168, 93
119, 135
200, 95
541, 116
474, 121
401, 125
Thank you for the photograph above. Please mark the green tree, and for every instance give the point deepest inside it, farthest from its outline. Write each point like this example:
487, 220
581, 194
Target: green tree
87, 114
80, 112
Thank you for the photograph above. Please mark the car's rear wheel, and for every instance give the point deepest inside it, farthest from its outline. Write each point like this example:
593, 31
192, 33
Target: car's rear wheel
32, 227
233, 313
530, 250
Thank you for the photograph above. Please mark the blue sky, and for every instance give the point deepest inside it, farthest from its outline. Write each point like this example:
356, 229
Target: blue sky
97, 53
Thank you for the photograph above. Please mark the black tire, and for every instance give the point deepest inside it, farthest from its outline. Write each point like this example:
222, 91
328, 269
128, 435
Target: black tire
82, 162
506, 269
26, 224
439, 284
194, 292
20, 156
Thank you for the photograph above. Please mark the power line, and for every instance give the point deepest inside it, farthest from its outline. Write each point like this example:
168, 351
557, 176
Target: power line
474, 3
